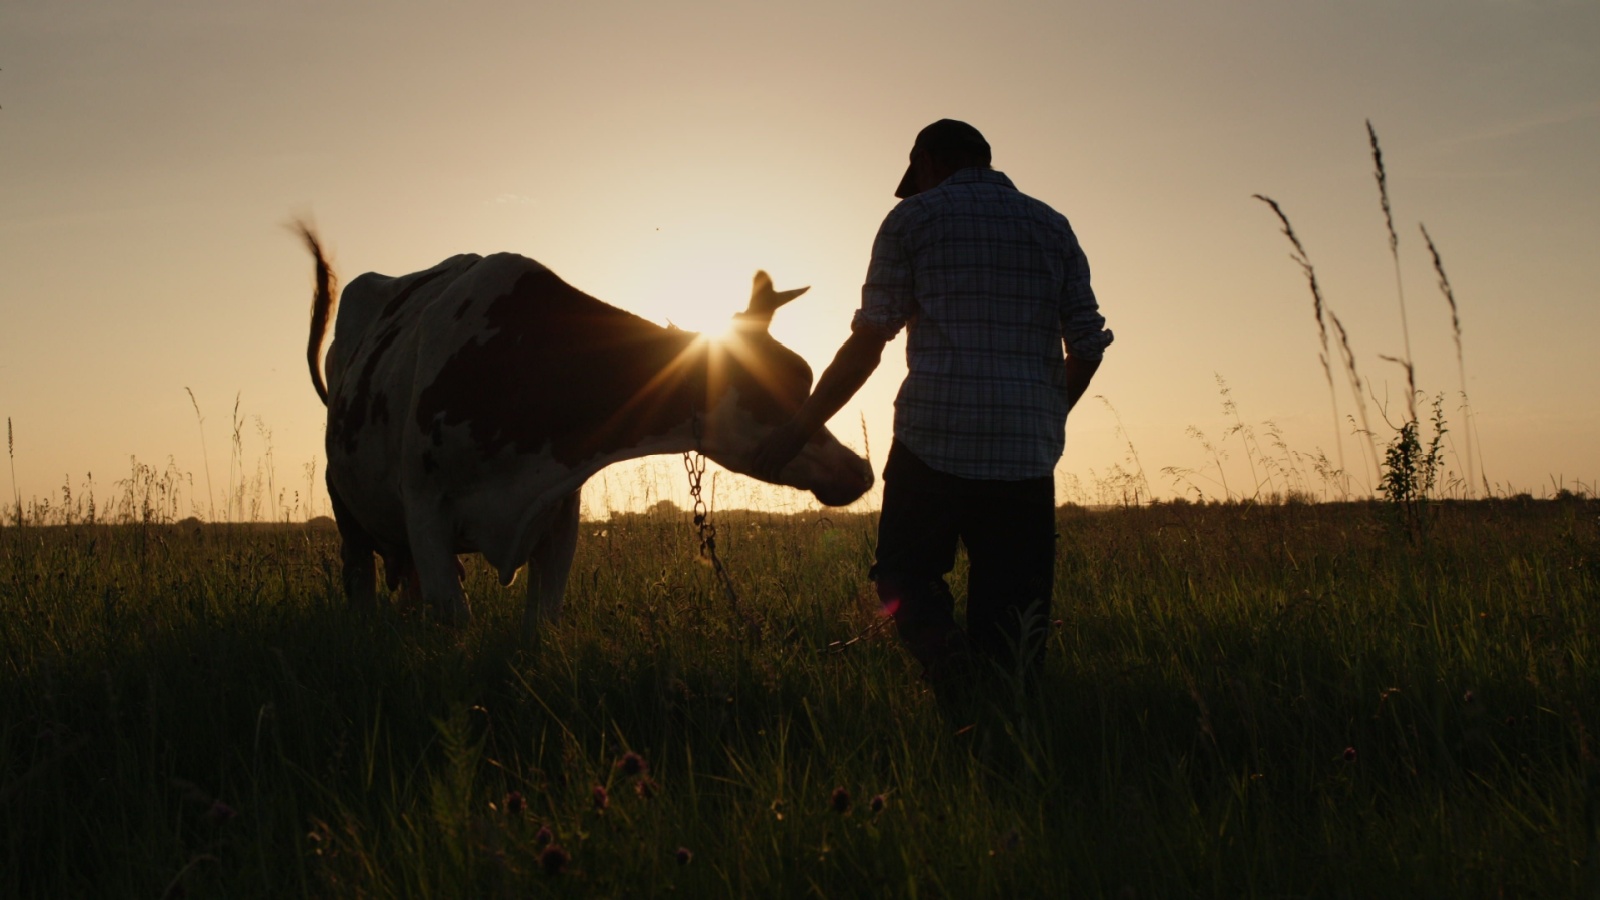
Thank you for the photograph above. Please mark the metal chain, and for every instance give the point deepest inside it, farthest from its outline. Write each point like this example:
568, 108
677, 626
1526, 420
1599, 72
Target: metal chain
694, 465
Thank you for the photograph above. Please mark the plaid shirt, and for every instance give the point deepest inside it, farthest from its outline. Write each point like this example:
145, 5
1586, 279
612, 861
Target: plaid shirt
990, 282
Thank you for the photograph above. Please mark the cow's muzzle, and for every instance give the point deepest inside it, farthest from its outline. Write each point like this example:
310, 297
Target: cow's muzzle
847, 485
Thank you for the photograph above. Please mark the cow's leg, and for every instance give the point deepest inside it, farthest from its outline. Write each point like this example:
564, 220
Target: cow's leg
356, 549
549, 564
404, 586
433, 556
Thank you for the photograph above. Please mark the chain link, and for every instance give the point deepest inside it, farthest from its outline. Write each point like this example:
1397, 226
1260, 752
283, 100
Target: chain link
694, 465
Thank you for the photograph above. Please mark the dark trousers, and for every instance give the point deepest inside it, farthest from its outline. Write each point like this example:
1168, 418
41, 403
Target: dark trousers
1009, 530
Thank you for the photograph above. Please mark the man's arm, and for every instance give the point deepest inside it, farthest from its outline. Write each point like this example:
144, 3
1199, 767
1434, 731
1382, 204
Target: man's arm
1080, 372
1083, 330
855, 362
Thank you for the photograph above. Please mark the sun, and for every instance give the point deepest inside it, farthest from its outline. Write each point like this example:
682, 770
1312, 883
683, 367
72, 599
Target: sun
701, 293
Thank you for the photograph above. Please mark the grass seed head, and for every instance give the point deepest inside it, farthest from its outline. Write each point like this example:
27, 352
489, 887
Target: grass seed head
1382, 175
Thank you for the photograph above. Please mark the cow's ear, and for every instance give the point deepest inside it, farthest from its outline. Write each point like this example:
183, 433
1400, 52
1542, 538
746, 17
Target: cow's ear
764, 301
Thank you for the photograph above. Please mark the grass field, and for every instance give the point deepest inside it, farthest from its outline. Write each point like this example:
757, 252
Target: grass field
1240, 701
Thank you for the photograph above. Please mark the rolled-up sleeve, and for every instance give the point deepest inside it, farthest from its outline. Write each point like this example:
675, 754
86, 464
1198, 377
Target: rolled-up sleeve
888, 297
1082, 327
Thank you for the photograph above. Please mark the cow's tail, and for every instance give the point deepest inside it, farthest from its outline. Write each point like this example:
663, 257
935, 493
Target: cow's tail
321, 308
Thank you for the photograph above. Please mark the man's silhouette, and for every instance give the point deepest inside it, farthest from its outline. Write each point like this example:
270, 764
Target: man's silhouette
990, 284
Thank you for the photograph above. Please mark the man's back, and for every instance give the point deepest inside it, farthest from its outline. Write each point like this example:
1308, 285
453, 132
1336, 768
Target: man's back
989, 282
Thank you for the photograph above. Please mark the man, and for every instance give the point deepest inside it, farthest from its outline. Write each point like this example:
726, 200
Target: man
989, 284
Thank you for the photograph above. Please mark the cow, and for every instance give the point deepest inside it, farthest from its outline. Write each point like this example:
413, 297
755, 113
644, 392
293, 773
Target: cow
468, 403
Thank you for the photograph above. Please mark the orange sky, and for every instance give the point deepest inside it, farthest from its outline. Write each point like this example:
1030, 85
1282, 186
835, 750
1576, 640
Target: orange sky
655, 155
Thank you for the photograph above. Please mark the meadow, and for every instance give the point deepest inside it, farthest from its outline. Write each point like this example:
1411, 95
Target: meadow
1246, 693
1240, 700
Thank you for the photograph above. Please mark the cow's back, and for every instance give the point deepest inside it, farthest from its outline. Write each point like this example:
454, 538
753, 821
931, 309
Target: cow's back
521, 363
374, 296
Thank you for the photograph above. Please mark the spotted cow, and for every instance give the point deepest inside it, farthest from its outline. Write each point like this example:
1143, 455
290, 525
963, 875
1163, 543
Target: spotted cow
468, 403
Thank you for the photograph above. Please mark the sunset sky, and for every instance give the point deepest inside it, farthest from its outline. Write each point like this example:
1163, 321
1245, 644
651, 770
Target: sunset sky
657, 154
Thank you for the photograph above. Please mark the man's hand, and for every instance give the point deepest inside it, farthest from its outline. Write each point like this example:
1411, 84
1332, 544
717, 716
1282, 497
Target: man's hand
1079, 373
856, 359
778, 450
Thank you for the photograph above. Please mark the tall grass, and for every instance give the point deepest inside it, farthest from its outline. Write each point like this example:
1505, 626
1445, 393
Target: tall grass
1382, 176
1348, 357
1125, 487
1277, 475
1238, 701
1410, 424
11, 454
1303, 260
205, 456
1461, 365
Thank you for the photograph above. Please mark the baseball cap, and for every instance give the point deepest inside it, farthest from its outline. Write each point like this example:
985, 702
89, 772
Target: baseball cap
945, 139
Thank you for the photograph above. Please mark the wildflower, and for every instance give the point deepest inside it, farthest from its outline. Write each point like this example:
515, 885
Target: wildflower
646, 787
683, 855
543, 836
1349, 754
601, 798
515, 804
554, 859
220, 812
876, 803
632, 764
840, 800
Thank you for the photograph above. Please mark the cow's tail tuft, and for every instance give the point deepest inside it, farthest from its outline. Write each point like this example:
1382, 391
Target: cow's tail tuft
321, 308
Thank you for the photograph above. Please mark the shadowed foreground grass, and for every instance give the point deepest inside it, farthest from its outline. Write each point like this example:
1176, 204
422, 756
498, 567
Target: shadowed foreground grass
1240, 701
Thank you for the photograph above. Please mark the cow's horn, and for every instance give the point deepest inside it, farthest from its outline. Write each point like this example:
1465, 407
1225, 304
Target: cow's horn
764, 301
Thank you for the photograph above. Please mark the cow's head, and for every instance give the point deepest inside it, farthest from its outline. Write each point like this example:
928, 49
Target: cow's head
755, 384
